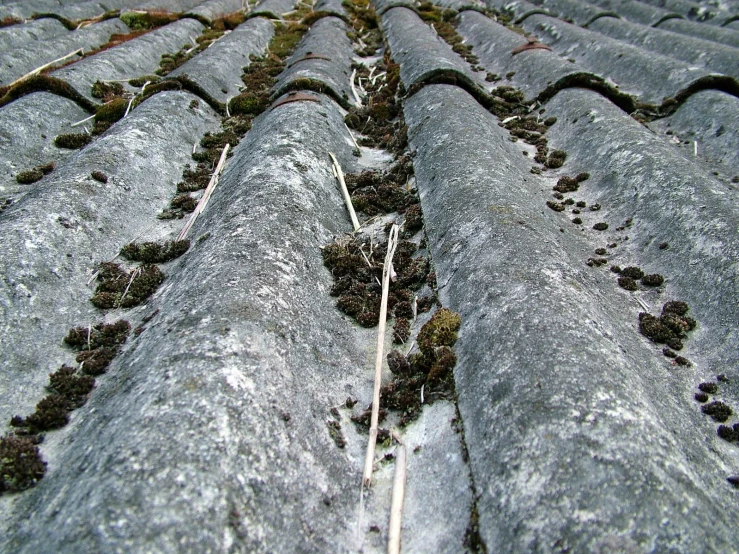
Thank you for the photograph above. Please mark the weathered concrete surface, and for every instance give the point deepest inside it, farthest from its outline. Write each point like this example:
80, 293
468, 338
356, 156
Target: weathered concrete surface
209, 434
670, 199
580, 13
59, 231
710, 118
217, 70
581, 437
134, 58
535, 72
705, 53
21, 60
323, 56
331, 6
421, 53
21, 35
28, 127
215, 8
272, 8
651, 77
26, 8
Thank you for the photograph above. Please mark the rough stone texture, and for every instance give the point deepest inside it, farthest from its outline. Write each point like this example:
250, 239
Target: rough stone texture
28, 127
704, 53
421, 53
17, 62
69, 222
215, 8
134, 58
711, 118
233, 379
325, 39
24, 34
580, 438
217, 70
696, 12
273, 8
651, 77
382, 6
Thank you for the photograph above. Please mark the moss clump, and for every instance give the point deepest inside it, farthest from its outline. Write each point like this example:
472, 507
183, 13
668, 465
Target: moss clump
556, 159
72, 141
401, 330
701, 397
627, 283
334, 431
633, 272
356, 279
108, 114
652, 280
106, 91
727, 433
139, 82
365, 23
72, 386
98, 345
99, 176
601, 226
119, 289
52, 412
566, 184
441, 20
147, 20
21, 465
710, 388
717, 410
194, 179
375, 192
556, 206
431, 368
155, 252
670, 328
29, 177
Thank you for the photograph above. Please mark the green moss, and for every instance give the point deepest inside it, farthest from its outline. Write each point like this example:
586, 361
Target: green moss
139, 82
72, 141
248, 103
106, 91
440, 330
109, 113
21, 465
148, 20
155, 252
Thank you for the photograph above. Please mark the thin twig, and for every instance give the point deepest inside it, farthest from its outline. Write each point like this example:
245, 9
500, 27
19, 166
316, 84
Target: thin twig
356, 144
392, 243
206, 195
45, 66
83, 121
396, 507
357, 99
345, 192
134, 273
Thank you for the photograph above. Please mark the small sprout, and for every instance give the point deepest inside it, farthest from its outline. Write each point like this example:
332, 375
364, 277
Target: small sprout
99, 176
72, 141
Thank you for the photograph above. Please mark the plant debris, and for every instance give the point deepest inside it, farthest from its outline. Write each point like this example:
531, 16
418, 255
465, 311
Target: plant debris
118, 288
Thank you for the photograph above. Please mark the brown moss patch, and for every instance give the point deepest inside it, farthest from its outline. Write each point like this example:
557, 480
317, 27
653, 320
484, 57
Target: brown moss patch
21, 465
72, 141
670, 328
155, 252
118, 288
